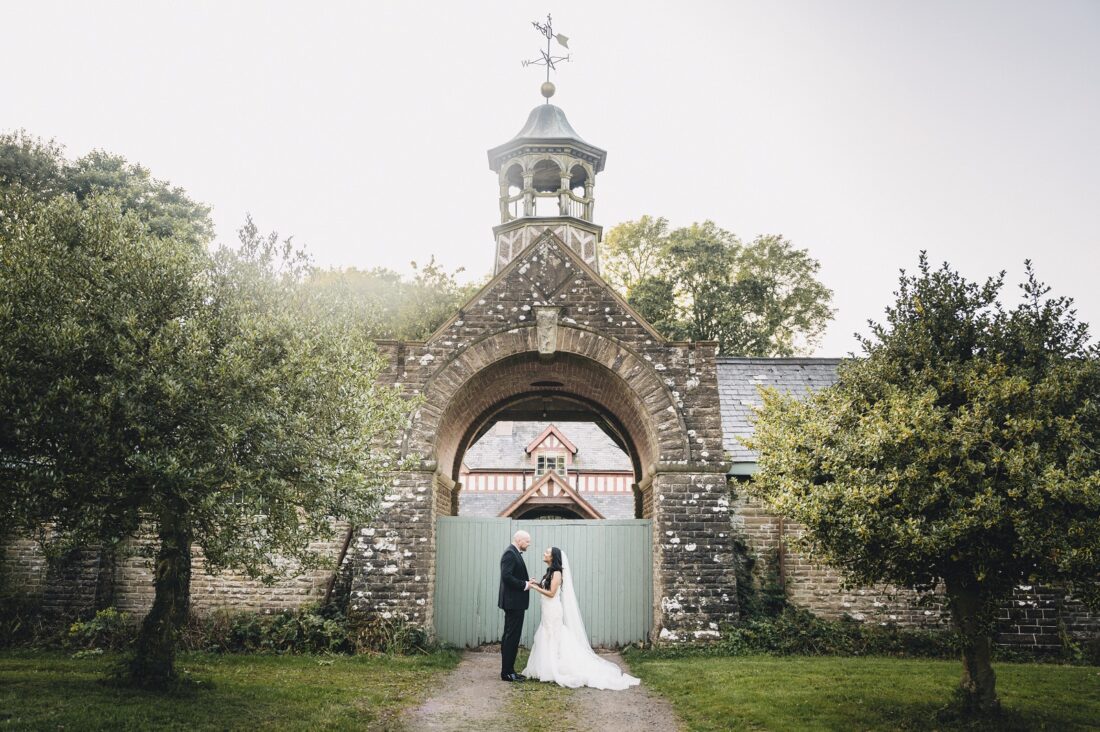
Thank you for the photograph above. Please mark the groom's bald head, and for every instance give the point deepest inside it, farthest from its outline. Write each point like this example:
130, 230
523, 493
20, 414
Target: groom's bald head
521, 539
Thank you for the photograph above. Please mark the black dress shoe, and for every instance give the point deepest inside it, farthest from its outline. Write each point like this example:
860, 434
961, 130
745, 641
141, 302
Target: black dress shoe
507, 677
519, 677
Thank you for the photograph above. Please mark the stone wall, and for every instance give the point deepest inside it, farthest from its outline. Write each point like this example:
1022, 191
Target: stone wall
1035, 618
90, 580
23, 568
818, 588
693, 555
392, 562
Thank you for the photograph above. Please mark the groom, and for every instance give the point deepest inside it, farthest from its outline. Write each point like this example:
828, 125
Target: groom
513, 600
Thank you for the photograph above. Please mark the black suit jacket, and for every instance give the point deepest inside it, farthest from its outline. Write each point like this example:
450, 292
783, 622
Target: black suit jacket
513, 580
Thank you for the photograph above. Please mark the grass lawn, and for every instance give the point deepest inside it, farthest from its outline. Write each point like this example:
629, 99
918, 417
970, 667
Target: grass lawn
53, 691
804, 693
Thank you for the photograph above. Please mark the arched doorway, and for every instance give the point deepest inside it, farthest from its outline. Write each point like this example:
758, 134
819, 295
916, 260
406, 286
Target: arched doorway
547, 332
612, 559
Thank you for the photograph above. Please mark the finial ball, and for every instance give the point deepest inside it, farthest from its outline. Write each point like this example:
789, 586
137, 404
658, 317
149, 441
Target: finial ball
548, 89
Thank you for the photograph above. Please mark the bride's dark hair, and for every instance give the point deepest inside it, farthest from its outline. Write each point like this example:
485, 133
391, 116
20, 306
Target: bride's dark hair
555, 566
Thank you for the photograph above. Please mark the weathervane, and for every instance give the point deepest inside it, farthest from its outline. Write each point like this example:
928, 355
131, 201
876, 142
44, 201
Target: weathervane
548, 59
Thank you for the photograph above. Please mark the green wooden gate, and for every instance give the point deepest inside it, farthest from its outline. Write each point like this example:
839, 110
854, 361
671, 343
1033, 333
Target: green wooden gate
612, 574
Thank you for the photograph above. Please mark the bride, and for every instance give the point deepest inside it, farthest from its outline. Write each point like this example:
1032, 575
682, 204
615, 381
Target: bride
561, 651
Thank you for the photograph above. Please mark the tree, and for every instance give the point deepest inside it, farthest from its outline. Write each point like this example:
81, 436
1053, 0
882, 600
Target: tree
702, 283
633, 251
391, 306
209, 396
41, 170
962, 450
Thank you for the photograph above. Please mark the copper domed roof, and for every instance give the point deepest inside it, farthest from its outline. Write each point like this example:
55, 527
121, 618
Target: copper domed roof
547, 126
547, 122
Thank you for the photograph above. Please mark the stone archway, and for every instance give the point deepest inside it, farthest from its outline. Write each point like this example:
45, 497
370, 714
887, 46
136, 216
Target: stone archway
682, 491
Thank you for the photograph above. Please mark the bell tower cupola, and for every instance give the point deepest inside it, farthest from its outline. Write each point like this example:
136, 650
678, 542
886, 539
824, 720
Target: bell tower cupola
547, 175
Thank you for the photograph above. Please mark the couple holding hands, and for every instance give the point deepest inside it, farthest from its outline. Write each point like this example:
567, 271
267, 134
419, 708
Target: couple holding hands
560, 652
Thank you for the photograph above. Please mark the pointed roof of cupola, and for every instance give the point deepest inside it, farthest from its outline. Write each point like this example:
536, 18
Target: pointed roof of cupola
547, 126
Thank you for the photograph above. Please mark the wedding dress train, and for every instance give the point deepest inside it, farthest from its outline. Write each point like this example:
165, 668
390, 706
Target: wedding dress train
561, 652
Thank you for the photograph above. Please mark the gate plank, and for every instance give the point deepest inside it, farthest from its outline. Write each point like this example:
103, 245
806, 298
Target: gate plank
611, 562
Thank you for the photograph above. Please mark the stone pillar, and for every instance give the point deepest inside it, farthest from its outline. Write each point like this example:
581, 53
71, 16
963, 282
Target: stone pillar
529, 194
393, 560
695, 583
505, 214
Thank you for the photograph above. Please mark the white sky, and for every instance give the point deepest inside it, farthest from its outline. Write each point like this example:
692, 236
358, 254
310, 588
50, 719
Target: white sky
862, 131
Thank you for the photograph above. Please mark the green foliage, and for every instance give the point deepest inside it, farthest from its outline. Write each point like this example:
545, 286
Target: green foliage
966, 443
391, 636
759, 593
388, 305
634, 251
109, 629
308, 630
22, 623
144, 378
138, 375
702, 283
799, 632
964, 448
39, 168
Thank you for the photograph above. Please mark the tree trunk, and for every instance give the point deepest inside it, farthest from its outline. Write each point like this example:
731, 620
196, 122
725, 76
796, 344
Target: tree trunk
154, 660
978, 687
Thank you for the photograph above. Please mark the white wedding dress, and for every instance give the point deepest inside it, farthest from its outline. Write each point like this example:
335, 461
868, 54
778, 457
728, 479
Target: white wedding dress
561, 652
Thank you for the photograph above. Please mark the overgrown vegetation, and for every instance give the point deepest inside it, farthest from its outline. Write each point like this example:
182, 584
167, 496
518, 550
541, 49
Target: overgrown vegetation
311, 629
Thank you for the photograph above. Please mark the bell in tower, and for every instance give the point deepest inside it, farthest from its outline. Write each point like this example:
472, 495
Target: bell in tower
547, 174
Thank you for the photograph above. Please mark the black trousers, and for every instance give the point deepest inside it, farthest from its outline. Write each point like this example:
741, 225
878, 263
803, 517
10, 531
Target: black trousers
509, 644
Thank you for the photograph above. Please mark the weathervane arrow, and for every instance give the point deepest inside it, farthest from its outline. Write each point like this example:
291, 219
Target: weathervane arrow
547, 58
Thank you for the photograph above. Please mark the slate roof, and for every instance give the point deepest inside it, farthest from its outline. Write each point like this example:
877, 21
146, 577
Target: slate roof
497, 450
738, 379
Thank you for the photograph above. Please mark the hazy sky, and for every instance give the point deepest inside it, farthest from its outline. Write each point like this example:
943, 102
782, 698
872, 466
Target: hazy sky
862, 131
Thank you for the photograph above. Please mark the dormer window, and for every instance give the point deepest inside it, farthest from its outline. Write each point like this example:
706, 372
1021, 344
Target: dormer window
550, 462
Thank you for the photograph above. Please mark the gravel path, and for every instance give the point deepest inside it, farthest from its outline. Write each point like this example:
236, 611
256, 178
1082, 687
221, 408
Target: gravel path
472, 697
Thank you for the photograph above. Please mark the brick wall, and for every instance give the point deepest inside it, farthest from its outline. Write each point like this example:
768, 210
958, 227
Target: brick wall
89, 580
1033, 619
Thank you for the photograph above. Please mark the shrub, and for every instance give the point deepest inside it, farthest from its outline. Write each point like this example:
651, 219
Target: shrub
799, 632
310, 629
23, 624
108, 630
382, 635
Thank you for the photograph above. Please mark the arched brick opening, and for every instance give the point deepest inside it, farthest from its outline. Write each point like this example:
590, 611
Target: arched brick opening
477, 427
653, 390
589, 366
516, 377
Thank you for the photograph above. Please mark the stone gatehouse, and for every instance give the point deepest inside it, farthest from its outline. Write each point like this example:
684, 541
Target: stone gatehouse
548, 335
